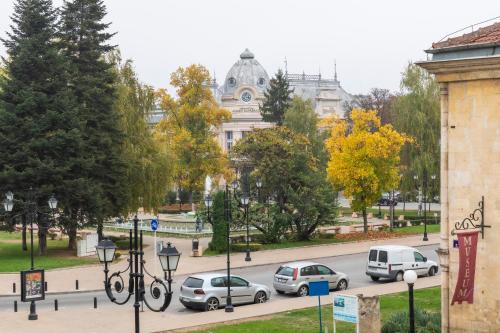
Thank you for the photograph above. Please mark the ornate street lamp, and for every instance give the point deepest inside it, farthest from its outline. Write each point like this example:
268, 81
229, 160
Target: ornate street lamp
258, 183
169, 259
208, 204
31, 211
410, 277
245, 201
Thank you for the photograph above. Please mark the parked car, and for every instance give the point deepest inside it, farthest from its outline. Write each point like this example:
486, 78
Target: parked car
295, 277
387, 200
391, 261
208, 291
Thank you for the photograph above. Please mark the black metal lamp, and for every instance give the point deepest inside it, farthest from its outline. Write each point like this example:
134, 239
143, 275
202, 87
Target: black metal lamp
258, 183
410, 277
245, 199
10, 196
53, 202
234, 184
106, 251
208, 201
169, 258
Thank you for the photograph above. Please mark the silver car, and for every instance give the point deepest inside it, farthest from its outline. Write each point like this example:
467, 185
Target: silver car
208, 291
295, 277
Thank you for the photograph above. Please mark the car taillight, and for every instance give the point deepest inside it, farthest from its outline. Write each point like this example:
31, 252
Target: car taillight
199, 292
295, 273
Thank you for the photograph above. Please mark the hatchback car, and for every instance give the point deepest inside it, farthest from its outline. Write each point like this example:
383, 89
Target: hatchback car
295, 277
208, 291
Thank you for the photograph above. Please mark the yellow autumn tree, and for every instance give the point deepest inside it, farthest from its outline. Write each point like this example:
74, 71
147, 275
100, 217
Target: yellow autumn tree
189, 128
364, 158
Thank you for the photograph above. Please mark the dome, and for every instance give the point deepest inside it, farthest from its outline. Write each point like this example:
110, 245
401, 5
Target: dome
246, 72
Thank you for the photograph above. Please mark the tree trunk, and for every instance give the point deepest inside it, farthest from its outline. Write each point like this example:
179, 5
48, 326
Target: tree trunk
24, 245
42, 240
365, 220
191, 200
72, 238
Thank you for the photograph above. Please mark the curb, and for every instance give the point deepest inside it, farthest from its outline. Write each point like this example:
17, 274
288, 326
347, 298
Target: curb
59, 293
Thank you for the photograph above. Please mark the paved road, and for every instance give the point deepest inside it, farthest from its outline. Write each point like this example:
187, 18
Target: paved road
353, 265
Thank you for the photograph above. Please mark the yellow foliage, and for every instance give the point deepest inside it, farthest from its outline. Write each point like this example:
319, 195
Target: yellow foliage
364, 159
190, 125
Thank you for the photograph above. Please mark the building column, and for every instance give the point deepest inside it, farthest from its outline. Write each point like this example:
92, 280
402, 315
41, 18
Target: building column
443, 251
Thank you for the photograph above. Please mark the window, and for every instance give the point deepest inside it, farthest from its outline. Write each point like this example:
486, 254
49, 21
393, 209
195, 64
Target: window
229, 140
231, 81
382, 256
373, 255
418, 257
261, 81
286, 271
193, 283
218, 282
238, 282
307, 271
323, 270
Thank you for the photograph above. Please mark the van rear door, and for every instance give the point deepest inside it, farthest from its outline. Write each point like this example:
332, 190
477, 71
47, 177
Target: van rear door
382, 262
372, 261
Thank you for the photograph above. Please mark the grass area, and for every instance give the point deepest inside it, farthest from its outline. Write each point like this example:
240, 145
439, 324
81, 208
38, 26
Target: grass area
358, 236
13, 259
306, 320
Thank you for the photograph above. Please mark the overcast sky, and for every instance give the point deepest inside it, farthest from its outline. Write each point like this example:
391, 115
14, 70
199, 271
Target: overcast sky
372, 41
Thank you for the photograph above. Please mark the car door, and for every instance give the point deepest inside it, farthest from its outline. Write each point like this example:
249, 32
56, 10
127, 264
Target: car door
241, 291
309, 274
327, 274
420, 263
219, 287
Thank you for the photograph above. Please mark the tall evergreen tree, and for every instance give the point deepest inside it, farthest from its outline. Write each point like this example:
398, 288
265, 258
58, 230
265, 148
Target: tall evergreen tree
85, 41
39, 129
277, 99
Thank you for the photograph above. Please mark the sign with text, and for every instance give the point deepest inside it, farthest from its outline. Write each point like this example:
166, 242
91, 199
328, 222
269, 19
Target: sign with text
32, 285
467, 248
345, 308
318, 288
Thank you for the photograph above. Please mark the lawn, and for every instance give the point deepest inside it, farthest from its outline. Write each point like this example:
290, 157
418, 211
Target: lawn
344, 238
13, 259
306, 320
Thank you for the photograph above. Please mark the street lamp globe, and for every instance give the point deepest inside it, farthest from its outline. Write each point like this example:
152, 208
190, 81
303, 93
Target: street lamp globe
169, 258
410, 277
53, 202
8, 205
234, 184
433, 177
106, 250
208, 201
258, 183
10, 196
415, 177
245, 199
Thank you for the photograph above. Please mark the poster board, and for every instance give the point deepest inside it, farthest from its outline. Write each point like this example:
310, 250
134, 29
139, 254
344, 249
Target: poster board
32, 285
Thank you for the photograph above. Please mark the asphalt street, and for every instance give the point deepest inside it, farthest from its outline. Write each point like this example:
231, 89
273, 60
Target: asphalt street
353, 265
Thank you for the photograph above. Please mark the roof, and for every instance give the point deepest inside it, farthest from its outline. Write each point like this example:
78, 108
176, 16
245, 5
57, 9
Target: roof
300, 264
485, 35
391, 247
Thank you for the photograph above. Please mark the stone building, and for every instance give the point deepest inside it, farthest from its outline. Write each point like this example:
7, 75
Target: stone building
468, 70
243, 90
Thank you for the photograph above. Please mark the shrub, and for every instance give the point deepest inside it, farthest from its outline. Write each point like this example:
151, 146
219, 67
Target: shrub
241, 247
324, 235
425, 322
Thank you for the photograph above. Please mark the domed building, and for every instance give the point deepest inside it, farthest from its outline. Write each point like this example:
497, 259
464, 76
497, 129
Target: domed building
242, 92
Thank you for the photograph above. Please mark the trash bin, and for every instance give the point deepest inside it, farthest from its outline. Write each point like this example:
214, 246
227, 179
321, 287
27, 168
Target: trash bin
196, 244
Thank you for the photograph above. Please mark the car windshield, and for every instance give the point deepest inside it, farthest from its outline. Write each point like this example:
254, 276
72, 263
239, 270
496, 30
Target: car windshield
286, 271
193, 283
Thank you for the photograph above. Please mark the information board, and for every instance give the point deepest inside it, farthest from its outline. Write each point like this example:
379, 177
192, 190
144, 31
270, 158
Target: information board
345, 308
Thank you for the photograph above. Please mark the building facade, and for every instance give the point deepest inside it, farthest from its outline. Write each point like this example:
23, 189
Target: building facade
468, 71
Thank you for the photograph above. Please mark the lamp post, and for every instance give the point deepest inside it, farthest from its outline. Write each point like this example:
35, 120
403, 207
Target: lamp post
227, 214
31, 211
169, 259
245, 201
208, 204
424, 182
258, 183
410, 277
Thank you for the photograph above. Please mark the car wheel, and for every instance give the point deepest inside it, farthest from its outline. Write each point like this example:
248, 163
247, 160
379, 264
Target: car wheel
303, 291
342, 285
281, 292
212, 304
432, 271
375, 278
399, 276
260, 297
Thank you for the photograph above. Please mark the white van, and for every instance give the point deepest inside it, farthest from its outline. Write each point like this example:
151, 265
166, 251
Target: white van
391, 261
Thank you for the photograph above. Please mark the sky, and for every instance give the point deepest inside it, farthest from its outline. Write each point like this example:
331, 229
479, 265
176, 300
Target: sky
371, 41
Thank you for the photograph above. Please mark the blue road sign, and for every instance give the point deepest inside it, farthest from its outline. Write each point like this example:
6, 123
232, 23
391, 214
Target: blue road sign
318, 288
154, 224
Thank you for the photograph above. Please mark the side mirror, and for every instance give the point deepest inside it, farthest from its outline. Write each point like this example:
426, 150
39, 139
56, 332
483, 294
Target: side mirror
425, 259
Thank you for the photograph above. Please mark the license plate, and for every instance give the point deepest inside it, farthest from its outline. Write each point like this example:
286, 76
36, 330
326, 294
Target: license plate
279, 280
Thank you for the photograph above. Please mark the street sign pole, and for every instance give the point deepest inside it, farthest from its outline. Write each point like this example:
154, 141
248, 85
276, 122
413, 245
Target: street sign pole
154, 227
320, 319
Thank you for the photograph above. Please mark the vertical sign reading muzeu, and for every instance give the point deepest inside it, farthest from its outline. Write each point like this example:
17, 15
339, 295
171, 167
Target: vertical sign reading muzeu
467, 246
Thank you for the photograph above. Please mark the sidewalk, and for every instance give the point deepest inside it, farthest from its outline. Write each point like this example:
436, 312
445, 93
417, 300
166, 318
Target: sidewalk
91, 277
121, 318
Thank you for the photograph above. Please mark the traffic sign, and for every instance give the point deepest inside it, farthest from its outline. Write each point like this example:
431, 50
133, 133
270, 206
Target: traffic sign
154, 224
318, 288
